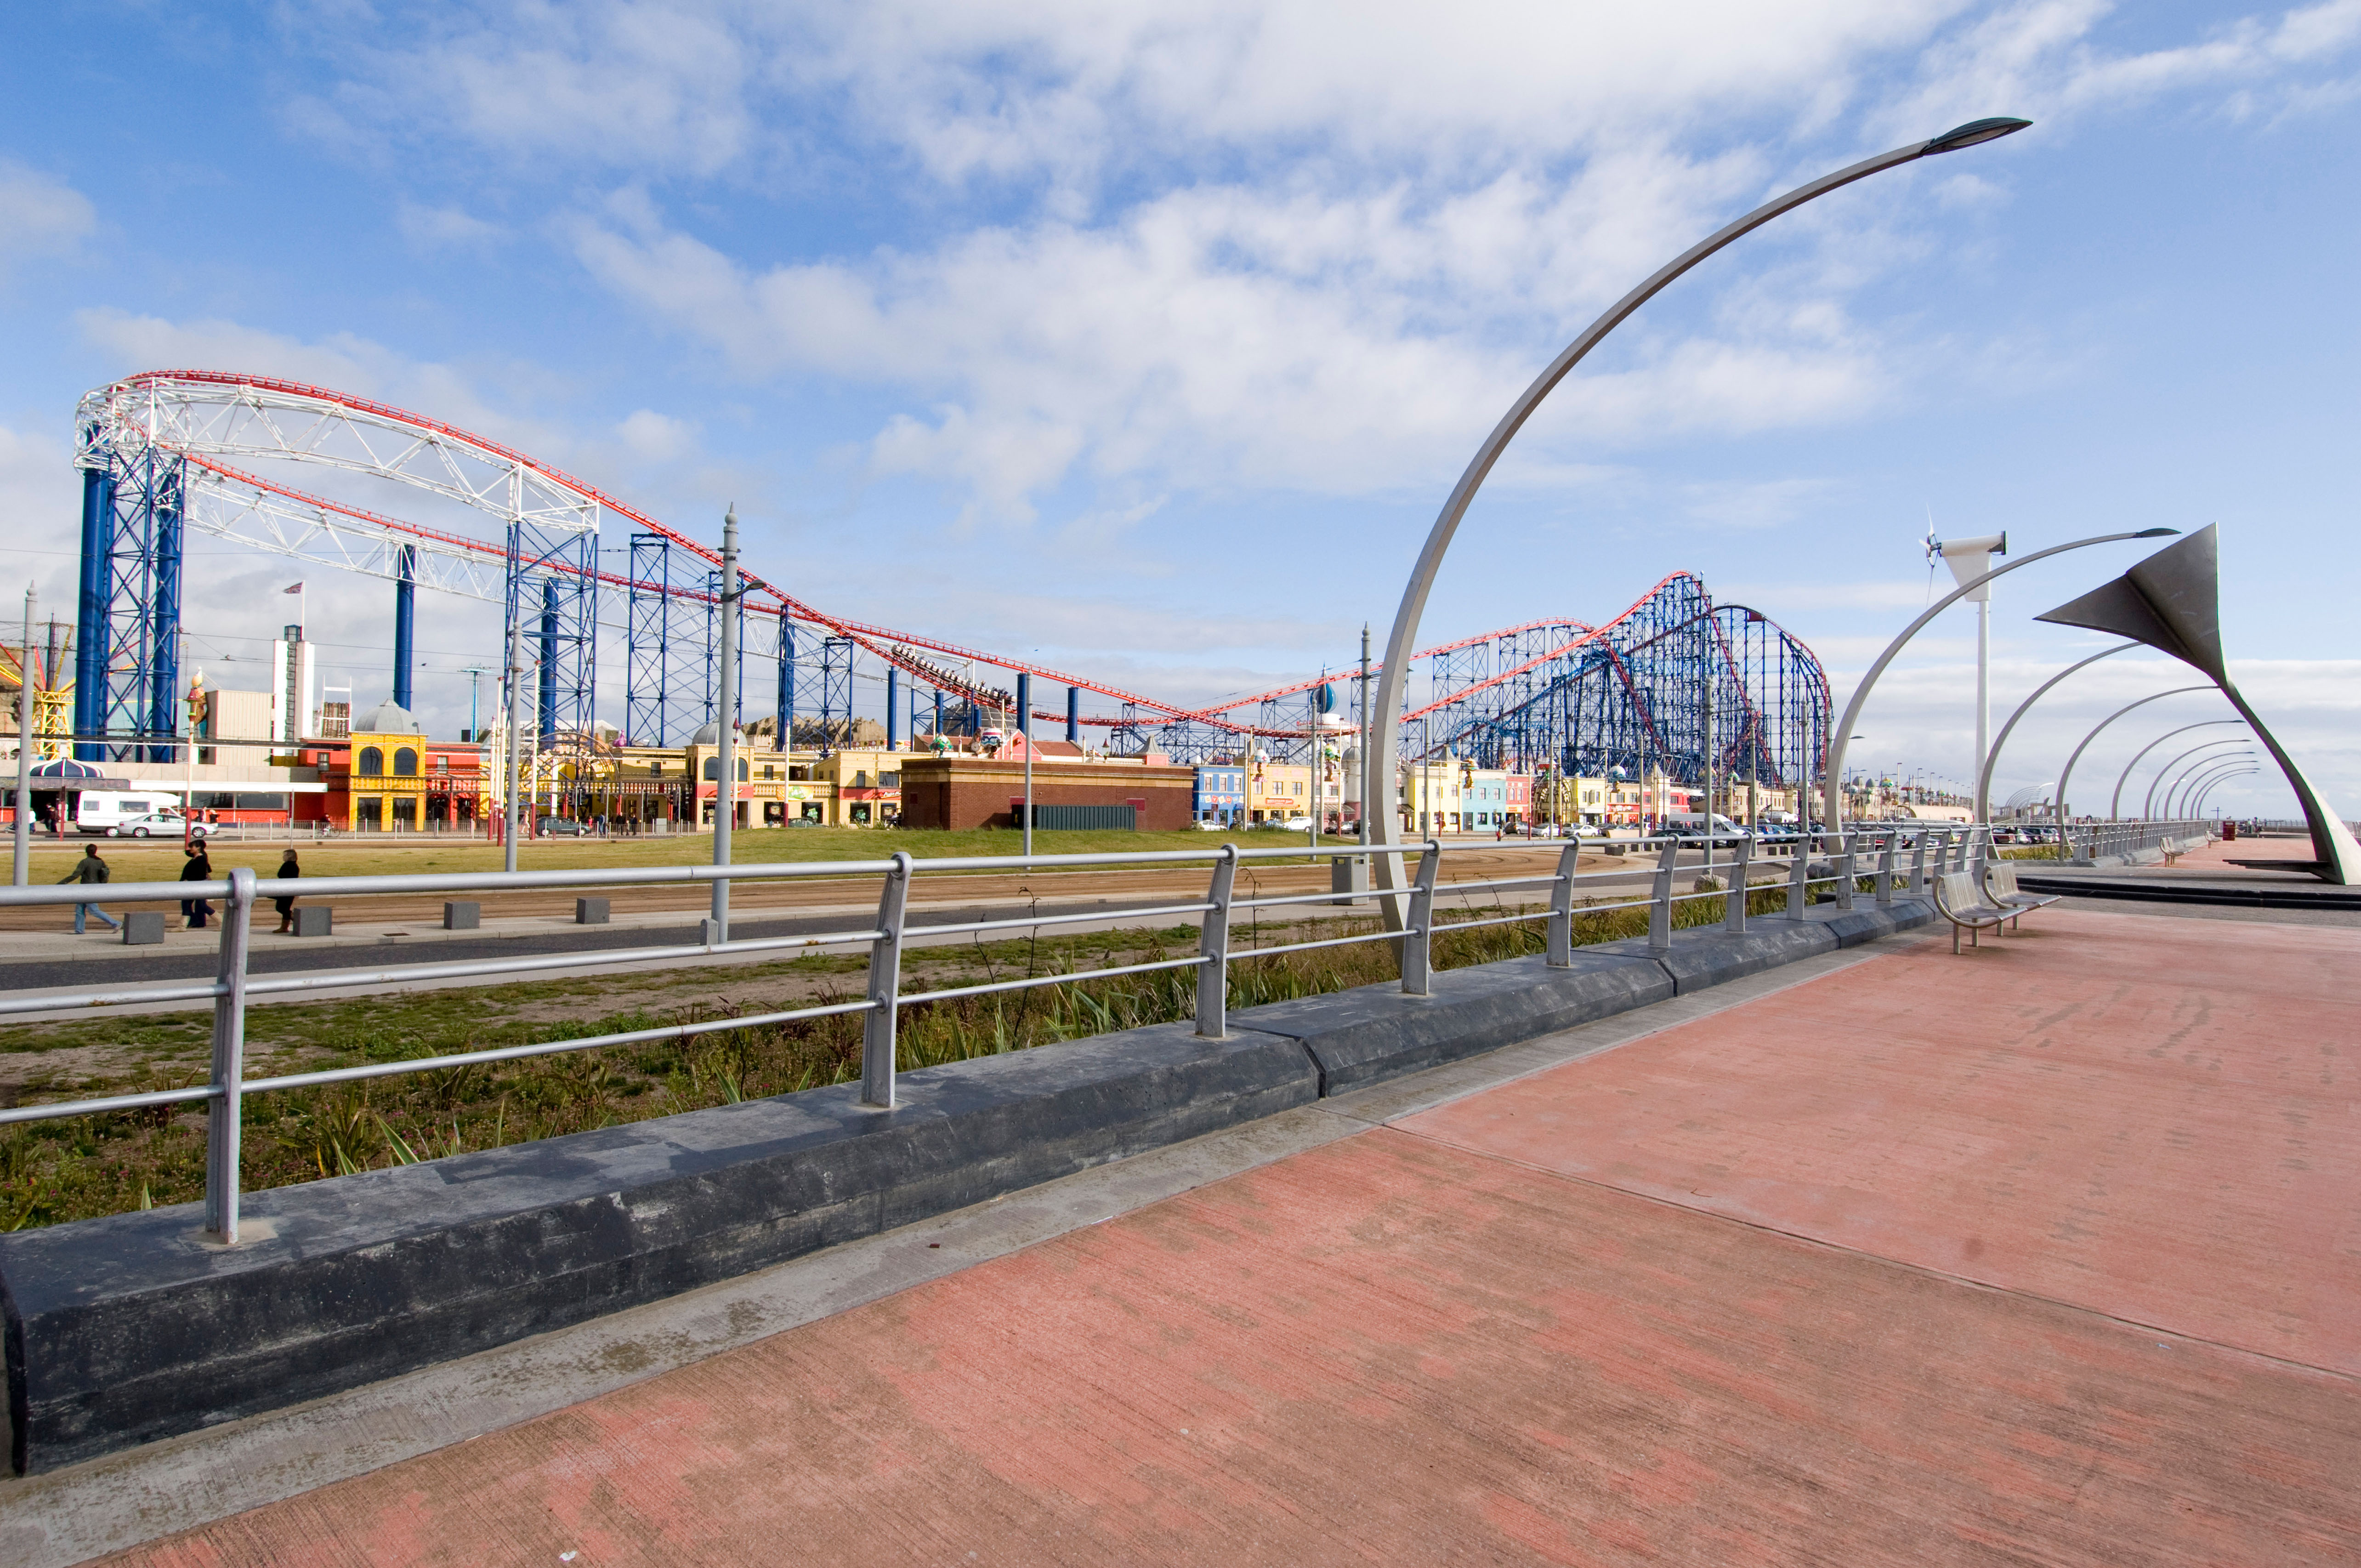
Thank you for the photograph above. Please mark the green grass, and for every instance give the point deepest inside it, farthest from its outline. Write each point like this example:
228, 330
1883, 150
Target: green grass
138, 861
53, 1171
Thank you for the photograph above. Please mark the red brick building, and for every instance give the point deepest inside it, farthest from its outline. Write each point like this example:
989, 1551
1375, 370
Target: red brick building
976, 791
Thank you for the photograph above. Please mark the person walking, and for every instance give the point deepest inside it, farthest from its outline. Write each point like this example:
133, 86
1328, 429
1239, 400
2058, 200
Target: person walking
196, 867
288, 870
89, 869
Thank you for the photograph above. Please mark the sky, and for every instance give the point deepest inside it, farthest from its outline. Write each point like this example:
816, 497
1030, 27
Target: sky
1146, 341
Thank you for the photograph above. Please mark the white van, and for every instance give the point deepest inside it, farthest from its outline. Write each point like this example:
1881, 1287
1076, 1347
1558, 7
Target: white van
97, 811
1692, 825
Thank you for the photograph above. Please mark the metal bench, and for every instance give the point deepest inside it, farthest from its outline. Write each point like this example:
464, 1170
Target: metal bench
1956, 901
2000, 886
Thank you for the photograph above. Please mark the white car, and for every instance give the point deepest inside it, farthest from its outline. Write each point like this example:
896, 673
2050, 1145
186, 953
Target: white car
158, 825
1296, 825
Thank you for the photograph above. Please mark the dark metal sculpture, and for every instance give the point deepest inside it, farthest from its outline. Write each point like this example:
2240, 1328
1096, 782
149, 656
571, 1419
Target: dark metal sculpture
2171, 602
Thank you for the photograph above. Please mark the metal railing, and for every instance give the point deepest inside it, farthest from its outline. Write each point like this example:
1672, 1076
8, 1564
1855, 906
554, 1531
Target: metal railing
1554, 892
2088, 841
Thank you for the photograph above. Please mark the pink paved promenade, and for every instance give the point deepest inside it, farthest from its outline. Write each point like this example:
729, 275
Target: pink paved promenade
2046, 1254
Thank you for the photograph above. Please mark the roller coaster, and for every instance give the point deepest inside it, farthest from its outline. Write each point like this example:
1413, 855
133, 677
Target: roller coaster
166, 451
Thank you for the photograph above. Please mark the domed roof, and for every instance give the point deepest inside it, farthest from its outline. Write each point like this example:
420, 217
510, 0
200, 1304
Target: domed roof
707, 735
389, 718
66, 768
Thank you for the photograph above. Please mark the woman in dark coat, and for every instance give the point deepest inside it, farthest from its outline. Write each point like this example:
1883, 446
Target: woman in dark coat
197, 867
288, 870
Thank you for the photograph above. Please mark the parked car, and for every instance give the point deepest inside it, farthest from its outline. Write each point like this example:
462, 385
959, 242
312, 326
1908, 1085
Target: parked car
561, 828
158, 825
1296, 825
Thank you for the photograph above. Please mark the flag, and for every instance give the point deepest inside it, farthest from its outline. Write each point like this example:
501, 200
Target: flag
296, 589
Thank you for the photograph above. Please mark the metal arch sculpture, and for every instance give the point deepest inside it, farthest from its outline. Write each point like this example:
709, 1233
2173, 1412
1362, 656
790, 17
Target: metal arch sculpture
1991, 758
1380, 765
2171, 601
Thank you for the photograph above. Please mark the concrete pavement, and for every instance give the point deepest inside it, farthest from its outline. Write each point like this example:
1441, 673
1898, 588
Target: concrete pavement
2044, 1252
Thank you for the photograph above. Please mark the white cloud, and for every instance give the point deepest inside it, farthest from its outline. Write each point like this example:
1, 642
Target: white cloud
444, 228
653, 437
40, 216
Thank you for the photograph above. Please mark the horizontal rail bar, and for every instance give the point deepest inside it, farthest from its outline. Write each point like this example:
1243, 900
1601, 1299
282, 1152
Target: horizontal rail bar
548, 1047
914, 929
1031, 981
60, 1109
281, 985
72, 1000
1238, 953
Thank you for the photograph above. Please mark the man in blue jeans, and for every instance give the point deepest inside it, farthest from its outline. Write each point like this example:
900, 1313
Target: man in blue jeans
89, 869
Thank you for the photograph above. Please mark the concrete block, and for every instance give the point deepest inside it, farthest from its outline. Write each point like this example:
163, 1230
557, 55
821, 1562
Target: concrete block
123, 1330
314, 920
589, 912
1709, 956
1374, 1032
142, 928
463, 916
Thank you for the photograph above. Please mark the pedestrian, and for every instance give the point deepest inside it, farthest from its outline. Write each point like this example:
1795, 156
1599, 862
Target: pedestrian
89, 869
196, 867
288, 870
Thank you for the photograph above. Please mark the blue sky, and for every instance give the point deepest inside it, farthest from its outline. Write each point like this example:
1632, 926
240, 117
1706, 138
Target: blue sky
1152, 337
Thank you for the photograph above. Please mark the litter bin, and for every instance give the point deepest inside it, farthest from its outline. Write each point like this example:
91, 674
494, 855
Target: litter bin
2229, 832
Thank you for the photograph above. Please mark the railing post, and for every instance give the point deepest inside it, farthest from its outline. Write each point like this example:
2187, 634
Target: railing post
1799, 871
223, 1110
1981, 838
1561, 920
1418, 941
1885, 869
1847, 872
1733, 916
884, 988
1214, 947
1918, 864
1660, 899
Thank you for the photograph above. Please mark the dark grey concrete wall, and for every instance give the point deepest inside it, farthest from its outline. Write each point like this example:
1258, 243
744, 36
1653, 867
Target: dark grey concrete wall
123, 1330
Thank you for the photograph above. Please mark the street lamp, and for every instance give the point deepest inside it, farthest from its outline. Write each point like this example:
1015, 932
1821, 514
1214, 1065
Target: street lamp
1860, 692
1394, 682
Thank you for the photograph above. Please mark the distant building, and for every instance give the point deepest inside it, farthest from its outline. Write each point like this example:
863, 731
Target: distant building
1221, 793
952, 790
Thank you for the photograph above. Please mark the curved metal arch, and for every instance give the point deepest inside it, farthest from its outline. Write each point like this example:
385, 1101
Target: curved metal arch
2212, 785
2147, 801
1991, 758
2067, 772
2197, 773
2116, 802
1393, 685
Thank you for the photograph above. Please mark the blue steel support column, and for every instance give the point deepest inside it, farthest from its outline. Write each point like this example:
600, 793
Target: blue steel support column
547, 715
163, 704
405, 609
787, 682
1073, 716
893, 707
938, 710
90, 610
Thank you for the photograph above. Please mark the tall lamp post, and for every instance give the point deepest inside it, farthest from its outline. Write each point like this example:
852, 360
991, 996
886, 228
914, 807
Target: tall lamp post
23, 872
725, 788
1402, 640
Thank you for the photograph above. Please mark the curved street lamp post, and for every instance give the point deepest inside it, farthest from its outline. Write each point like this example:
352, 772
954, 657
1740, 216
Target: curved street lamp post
1860, 692
1991, 758
2158, 783
1393, 683
2067, 773
2200, 778
2116, 801
2226, 778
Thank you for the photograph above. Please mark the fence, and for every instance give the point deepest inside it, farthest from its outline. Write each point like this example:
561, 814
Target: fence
2088, 841
1871, 851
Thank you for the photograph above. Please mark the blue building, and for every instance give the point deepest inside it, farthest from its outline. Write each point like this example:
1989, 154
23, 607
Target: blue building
1221, 795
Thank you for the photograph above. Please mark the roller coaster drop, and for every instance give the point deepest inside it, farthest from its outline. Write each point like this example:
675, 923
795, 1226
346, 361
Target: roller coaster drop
164, 450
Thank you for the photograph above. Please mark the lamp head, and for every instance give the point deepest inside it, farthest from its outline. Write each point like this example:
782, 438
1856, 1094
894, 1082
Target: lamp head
2156, 533
1973, 134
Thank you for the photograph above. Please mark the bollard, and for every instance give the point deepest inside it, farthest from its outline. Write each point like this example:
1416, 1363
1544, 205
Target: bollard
589, 912
314, 920
142, 928
467, 916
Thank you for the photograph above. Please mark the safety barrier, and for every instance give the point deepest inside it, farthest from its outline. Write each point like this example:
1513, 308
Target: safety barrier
1556, 890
